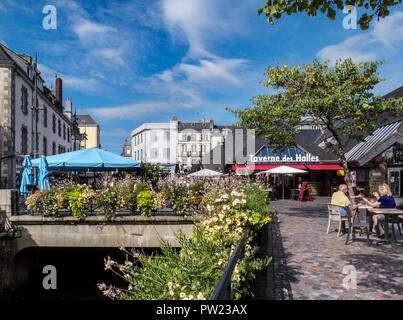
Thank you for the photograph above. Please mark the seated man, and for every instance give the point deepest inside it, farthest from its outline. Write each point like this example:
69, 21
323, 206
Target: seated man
340, 199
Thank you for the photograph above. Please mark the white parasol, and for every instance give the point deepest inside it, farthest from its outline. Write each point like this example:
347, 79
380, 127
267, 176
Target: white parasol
283, 170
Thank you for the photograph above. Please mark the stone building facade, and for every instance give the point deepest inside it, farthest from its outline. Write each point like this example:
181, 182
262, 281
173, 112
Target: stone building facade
56, 133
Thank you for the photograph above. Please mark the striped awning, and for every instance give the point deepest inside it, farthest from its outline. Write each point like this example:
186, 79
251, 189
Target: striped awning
372, 142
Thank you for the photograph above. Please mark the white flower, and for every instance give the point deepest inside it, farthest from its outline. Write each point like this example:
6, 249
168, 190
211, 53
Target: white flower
128, 263
226, 207
182, 295
170, 284
234, 193
200, 296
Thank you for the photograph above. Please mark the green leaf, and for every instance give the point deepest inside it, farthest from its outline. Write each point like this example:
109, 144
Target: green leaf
331, 14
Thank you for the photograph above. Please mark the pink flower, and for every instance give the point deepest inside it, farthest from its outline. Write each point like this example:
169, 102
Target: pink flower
101, 286
109, 263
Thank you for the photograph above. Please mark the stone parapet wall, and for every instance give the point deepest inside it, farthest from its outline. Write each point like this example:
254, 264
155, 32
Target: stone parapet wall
8, 201
7, 79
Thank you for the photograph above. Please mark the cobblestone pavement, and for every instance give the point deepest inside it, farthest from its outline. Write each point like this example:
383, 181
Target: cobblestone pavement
308, 263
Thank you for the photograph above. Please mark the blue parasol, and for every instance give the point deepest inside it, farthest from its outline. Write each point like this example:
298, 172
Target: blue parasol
27, 176
43, 179
94, 159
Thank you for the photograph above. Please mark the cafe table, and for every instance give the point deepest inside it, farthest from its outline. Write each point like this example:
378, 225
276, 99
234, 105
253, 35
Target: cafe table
365, 207
386, 213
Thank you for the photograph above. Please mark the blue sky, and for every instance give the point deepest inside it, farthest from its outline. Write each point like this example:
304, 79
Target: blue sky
130, 62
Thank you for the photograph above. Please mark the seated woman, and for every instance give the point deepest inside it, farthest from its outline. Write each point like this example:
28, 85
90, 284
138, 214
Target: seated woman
384, 199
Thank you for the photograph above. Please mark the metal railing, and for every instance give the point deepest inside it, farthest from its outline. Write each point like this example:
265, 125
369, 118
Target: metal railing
223, 289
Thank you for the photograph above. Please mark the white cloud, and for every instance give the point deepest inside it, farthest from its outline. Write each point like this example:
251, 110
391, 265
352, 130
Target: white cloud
191, 18
219, 69
382, 40
131, 111
202, 24
98, 39
111, 54
80, 84
89, 31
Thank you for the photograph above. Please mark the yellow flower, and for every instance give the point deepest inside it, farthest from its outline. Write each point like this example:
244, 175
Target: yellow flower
170, 284
182, 295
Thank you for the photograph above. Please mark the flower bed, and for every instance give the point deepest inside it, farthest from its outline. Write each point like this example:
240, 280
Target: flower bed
194, 272
183, 198
126, 196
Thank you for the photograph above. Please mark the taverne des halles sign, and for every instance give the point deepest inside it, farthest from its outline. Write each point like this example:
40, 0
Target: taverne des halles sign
286, 159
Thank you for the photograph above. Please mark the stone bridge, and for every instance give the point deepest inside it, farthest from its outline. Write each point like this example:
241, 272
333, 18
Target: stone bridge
94, 232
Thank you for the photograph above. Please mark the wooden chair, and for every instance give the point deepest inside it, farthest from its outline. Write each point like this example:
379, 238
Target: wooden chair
335, 217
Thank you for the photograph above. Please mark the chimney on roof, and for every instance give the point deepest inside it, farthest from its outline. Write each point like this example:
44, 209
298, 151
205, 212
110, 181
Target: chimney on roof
69, 108
174, 118
211, 123
27, 58
59, 93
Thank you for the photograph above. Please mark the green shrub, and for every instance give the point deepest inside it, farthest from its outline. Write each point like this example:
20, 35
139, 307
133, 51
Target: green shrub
194, 272
145, 202
107, 201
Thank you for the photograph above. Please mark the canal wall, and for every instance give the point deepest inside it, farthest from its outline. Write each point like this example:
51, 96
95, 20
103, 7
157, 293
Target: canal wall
8, 206
19, 232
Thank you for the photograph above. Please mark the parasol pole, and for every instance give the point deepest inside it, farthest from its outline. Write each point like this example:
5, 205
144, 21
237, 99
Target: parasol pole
282, 179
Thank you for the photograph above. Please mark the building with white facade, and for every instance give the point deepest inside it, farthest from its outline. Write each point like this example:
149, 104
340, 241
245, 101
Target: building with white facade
156, 143
195, 141
185, 146
18, 122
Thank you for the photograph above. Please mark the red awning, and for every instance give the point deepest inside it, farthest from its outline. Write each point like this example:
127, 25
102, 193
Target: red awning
296, 166
266, 166
254, 167
324, 167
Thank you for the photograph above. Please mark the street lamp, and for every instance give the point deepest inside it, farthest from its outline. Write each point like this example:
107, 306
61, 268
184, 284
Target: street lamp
35, 109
